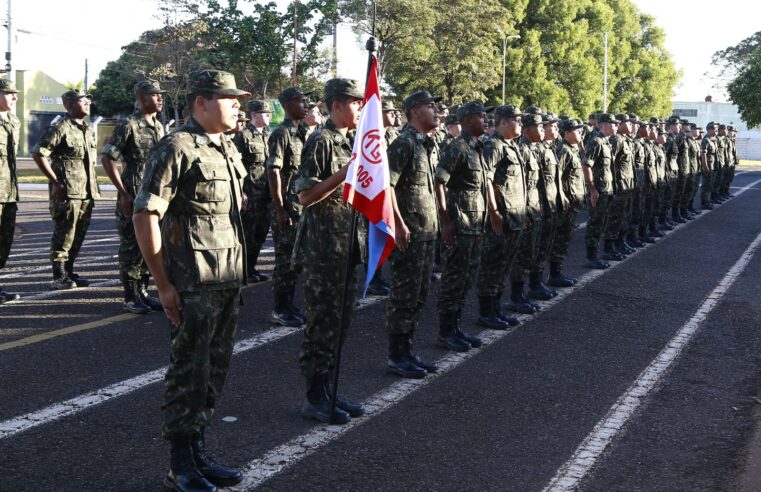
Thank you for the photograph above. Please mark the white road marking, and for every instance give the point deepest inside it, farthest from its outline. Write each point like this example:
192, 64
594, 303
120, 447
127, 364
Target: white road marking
570, 475
47, 268
33, 252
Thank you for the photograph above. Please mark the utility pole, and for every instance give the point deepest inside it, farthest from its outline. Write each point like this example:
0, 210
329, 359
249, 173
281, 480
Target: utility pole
8, 54
295, 37
605, 77
504, 61
334, 63
86, 74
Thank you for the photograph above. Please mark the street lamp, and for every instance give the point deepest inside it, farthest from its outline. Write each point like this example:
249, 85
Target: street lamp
504, 61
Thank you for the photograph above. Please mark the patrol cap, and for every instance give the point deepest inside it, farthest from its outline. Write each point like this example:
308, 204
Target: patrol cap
242, 116
8, 87
508, 111
213, 82
313, 104
420, 97
387, 106
550, 118
699, 128
722, 126
451, 119
258, 106
635, 119
472, 107
442, 107
291, 93
342, 87
656, 121
564, 117
710, 124
149, 86
661, 131
606, 118
74, 95
533, 110
593, 116
532, 119
622, 118
570, 125
730, 128
674, 120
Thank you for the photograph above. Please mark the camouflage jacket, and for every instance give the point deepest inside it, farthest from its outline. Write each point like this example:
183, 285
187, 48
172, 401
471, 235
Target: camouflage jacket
572, 175
465, 172
623, 162
412, 160
721, 151
285, 146
660, 162
323, 233
390, 135
640, 156
709, 148
673, 148
693, 152
196, 186
71, 148
9, 135
598, 155
550, 191
509, 179
531, 155
132, 140
251, 142
649, 162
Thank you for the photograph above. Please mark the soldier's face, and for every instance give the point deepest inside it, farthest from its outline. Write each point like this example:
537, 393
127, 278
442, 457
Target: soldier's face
551, 131
151, 103
454, 130
260, 120
573, 137
218, 114
475, 124
313, 117
426, 115
345, 114
79, 108
387, 118
723, 132
535, 133
297, 107
8, 101
608, 129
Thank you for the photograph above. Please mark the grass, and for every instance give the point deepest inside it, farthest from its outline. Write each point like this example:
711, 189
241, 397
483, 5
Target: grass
36, 177
745, 163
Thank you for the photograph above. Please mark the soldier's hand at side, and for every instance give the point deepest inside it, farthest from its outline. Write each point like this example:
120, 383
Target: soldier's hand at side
244, 204
126, 202
59, 192
496, 222
172, 303
448, 230
402, 236
283, 219
593, 197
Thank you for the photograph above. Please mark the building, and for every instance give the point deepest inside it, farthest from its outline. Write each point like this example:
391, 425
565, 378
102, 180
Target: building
39, 102
748, 141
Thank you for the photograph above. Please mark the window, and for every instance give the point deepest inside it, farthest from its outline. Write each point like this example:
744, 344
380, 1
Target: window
686, 113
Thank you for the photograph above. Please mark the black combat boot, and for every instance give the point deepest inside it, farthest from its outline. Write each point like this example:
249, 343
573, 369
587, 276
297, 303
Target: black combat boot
610, 253
429, 367
132, 301
645, 236
707, 205
149, 301
594, 261
557, 279
318, 403
183, 474
79, 281
293, 308
474, 342
448, 333
518, 302
61, 281
282, 313
219, 475
353, 409
654, 231
622, 246
378, 285
487, 316
676, 216
399, 359
510, 320
633, 241
537, 290
6, 296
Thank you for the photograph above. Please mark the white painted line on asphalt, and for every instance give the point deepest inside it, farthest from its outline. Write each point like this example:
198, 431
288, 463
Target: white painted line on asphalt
55, 293
109, 239
47, 268
82, 402
570, 475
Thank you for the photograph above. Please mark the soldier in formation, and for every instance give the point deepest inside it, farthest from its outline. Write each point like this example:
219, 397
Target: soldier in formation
9, 135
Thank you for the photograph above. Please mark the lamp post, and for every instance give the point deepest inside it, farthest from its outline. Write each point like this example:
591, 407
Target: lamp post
504, 61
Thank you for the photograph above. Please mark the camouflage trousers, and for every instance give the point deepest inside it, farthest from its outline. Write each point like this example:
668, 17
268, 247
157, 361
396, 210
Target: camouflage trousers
598, 221
71, 219
716, 180
546, 239
286, 273
619, 214
410, 283
727, 178
256, 225
688, 192
459, 266
200, 350
7, 227
636, 218
527, 250
131, 263
566, 224
498, 254
678, 187
327, 314
667, 198
650, 203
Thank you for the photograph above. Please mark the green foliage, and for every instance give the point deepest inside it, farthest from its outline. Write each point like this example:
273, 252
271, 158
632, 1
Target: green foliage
113, 92
735, 58
744, 89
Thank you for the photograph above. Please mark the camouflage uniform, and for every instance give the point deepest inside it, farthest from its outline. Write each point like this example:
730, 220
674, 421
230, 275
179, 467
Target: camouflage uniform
323, 247
693, 156
285, 147
553, 200
252, 145
623, 169
529, 243
71, 148
9, 136
709, 148
572, 181
412, 159
684, 165
132, 140
662, 173
196, 186
721, 165
598, 155
671, 189
640, 156
465, 172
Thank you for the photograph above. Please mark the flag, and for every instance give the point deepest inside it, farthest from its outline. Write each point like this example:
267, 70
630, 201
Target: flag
368, 184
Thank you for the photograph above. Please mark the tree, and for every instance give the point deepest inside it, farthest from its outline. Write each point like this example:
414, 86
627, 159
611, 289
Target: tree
744, 89
734, 58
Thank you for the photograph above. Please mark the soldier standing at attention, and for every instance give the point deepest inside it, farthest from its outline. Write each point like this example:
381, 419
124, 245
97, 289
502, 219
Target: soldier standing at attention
388, 122
324, 245
412, 160
189, 206
708, 159
132, 140
500, 250
598, 176
70, 144
463, 191
9, 135
285, 145
723, 158
672, 149
572, 182
251, 142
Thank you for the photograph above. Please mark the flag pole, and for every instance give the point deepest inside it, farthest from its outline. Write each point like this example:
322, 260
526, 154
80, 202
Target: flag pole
371, 47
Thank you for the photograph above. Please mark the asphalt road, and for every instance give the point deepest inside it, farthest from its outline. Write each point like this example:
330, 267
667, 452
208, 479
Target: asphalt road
81, 380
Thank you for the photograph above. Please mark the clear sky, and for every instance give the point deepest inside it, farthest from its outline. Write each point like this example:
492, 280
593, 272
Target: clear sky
56, 37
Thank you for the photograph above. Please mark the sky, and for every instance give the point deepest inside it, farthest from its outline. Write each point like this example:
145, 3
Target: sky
58, 40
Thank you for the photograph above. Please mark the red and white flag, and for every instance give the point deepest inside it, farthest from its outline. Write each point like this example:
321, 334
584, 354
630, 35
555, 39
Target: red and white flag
368, 184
